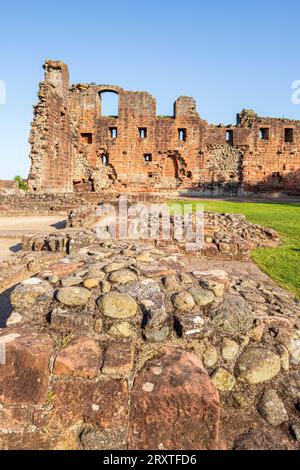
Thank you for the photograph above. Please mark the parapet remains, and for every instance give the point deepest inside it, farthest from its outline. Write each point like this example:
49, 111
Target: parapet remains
74, 148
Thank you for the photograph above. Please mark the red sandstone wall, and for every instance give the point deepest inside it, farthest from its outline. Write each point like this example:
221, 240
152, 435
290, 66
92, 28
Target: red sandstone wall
70, 138
50, 136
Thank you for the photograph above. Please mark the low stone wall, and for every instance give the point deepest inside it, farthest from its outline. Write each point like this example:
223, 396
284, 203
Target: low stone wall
227, 236
49, 204
125, 347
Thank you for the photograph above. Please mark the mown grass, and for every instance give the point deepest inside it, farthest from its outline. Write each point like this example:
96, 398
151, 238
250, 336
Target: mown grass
282, 263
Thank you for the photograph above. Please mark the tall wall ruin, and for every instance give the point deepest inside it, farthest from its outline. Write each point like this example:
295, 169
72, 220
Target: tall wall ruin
74, 148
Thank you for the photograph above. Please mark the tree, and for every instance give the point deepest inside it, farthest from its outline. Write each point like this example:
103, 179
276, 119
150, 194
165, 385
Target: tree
22, 183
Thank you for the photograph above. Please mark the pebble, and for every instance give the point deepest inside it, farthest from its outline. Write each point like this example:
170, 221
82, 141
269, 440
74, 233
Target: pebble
73, 296
223, 380
256, 365
122, 276
272, 409
202, 297
115, 305
229, 349
183, 301
210, 356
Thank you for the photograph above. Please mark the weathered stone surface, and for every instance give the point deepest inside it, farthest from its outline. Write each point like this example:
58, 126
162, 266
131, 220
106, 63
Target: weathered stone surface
105, 287
223, 380
91, 283
73, 296
210, 356
257, 365
122, 276
103, 403
96, 438
213, 276
95, 272
24, 376
171, 283
80, 358
29, 293
115, 266
174, 405
271, 408
262, 439
183, 301
116, 305
229, 349
77, 424
145, 257
217, 288
60, 269
14, 419
71, 281
295, 351
121, 330
66, 320
233, 316
36, 439
202, 297
296, 432
191, 325
118, 360
154, 311
156, 335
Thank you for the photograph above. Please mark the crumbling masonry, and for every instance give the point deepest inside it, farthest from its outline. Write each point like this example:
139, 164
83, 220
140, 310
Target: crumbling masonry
74, 148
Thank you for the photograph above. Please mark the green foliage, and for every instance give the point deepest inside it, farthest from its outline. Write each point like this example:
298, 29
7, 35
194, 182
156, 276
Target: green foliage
282, 263
50, 397
22, 183
65, 340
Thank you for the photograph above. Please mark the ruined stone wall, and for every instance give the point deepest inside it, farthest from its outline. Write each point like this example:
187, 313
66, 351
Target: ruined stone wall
75, 148
272, 163
9, 187
50, 136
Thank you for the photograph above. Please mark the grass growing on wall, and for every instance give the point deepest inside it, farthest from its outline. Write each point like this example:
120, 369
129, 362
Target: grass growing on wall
283, 263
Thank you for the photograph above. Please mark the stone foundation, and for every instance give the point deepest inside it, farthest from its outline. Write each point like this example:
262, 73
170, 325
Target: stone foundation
128, 346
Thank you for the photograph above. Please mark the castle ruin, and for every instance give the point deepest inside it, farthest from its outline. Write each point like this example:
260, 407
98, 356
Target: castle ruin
74, 148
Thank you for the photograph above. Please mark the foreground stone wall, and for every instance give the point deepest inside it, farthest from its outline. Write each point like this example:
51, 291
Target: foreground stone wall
122, 346
75, 148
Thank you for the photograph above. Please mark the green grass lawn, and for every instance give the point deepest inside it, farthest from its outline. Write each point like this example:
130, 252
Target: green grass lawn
283, 263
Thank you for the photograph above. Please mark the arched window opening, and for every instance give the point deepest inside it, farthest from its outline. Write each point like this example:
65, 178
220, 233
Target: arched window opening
109, 103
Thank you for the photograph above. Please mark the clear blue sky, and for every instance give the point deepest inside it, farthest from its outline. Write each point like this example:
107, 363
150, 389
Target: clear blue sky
226, 54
